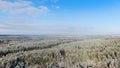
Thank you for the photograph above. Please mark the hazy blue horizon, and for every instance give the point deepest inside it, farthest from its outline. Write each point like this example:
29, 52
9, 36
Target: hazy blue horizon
60, 17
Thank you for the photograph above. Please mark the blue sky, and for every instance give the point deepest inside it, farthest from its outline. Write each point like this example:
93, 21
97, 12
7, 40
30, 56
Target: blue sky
61, 17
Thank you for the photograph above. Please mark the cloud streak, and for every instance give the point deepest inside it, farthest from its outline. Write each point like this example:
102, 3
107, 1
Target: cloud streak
22, 7
41, 28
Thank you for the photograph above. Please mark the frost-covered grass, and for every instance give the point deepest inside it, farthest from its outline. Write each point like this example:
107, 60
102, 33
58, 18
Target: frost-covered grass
67, 52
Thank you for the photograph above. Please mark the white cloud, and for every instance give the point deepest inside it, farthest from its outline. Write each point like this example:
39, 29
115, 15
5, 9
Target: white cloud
57, 7
54, 1
41, 28
22, 7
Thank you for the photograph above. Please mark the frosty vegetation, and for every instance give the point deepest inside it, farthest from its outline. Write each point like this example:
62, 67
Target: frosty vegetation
59, 52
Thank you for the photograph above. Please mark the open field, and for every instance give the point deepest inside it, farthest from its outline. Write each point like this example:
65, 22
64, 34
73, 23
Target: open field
59, 52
